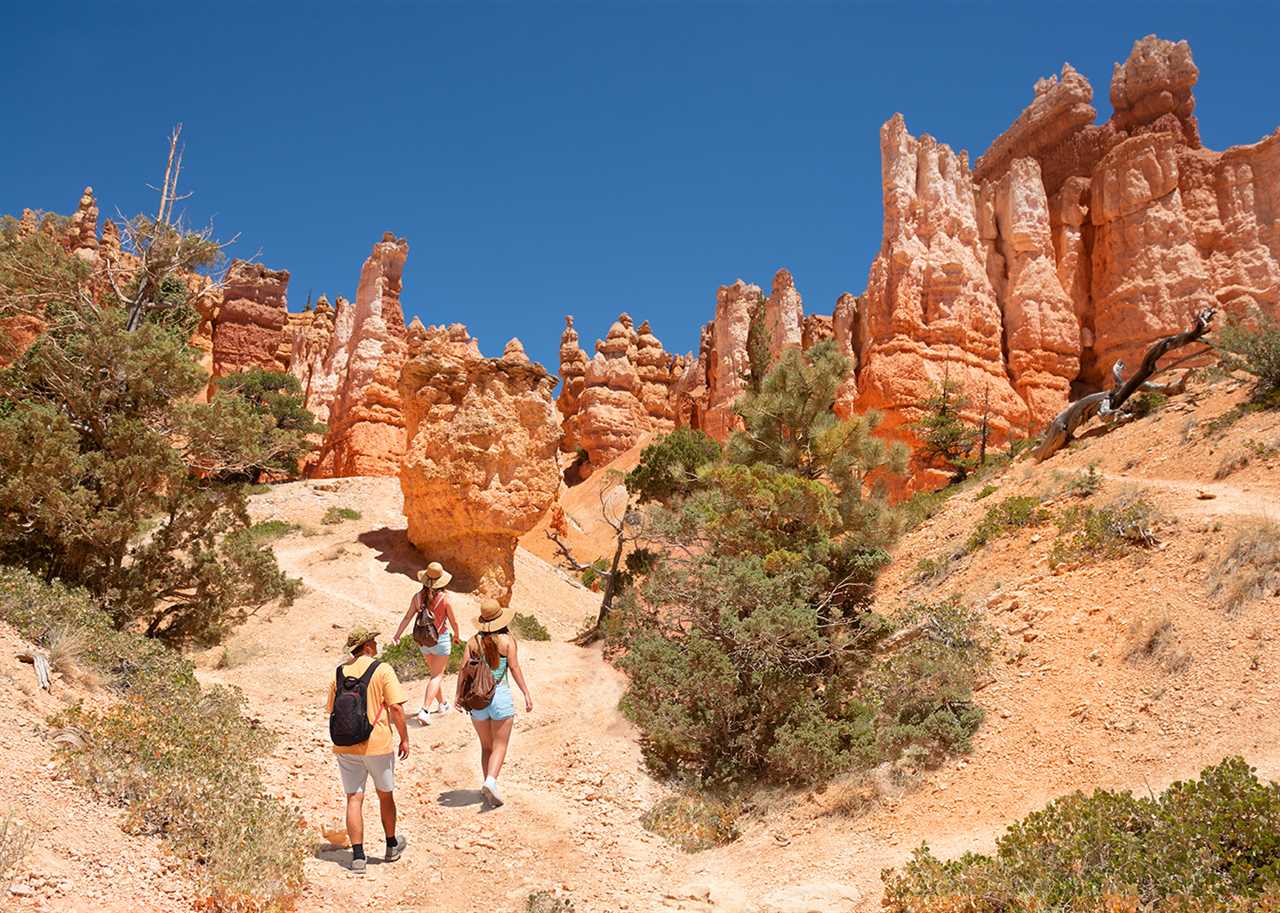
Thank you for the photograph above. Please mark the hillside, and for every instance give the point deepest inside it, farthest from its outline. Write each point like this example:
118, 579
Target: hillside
1067, 707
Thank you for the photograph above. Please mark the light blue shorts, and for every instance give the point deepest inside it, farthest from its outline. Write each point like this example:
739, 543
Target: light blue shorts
500, 708
442, 647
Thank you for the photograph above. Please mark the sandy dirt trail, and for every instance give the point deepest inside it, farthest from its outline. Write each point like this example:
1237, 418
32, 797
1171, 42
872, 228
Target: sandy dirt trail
575, 784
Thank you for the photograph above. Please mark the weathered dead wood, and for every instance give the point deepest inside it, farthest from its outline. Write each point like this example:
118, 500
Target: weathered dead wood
1108, 402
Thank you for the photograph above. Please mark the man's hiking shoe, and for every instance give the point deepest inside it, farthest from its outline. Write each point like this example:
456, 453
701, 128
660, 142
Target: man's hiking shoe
357, 865
490, 793
393, 852
423, 717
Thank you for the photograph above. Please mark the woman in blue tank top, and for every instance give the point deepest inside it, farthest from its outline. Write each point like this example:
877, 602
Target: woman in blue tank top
493, 723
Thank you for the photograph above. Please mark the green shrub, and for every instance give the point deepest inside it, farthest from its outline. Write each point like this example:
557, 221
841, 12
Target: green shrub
987, 491
1255, 348
1148, 402
527, 627
928, 570
1083, 484
1004, 517
1207, 844
1096, 534
694, 821
669, 466
594, 575
335, 515
1250, 567
405, 658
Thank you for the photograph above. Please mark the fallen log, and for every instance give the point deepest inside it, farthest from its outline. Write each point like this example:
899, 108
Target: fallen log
1108, 402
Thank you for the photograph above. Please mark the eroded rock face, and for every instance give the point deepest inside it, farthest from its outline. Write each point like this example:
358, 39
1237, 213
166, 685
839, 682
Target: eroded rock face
930, 312
612, 417
844, 324
357, 389
480, 465
249, 329
573, 372
783, 315
727, 362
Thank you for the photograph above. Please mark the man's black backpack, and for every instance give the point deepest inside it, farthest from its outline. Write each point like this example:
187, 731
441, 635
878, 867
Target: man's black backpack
349, 721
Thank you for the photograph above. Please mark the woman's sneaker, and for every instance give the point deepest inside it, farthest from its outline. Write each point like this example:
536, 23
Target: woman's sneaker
490, 792
423, 717
445, 707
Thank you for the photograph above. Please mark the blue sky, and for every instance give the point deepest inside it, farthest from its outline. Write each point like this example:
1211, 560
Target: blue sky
545, 159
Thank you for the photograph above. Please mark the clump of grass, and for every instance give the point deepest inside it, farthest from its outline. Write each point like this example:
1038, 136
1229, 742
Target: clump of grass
527, 627
1155, 638
1004, 517
986, 491
931, 570
694, 821
1250, 567
924, 505
70, 655
1231, 464
269, 531
335, 515
1096, 534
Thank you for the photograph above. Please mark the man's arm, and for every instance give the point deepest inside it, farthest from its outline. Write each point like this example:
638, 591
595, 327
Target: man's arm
396, 713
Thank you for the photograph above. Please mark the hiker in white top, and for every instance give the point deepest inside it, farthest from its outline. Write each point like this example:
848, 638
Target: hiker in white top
434, 627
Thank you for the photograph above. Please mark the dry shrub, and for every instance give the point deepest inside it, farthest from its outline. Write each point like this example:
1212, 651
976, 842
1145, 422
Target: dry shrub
547, 902
694, 821
15, 841
1231, 465
1250, 568
852, 798
70, 655
1155, 638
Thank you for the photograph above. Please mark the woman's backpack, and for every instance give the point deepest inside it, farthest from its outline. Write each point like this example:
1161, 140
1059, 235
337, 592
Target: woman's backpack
349, 720
425, 632
476, 684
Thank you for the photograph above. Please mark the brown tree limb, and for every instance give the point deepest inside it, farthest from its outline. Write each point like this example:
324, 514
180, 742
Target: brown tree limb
1107, 402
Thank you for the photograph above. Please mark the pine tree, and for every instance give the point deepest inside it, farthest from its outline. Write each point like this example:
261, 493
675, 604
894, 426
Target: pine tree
946, 439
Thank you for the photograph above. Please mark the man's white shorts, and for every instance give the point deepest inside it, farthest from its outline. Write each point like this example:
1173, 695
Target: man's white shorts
356, 768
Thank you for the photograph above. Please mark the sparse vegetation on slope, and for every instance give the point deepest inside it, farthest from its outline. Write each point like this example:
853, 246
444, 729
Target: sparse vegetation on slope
1210, 843
335, 515
1097, 533
694, 821
1250, 568
182, 760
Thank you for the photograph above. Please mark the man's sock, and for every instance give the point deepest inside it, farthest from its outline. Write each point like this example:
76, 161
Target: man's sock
357, 851
391, 842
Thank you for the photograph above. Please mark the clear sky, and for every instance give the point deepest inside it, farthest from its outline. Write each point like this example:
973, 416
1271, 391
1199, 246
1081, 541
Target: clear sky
545, 159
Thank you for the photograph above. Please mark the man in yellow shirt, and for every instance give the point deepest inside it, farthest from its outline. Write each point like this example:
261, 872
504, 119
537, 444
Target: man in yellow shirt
376, 691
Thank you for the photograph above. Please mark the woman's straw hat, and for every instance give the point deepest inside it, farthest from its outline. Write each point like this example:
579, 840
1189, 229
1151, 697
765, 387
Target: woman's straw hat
435, 576
493, 617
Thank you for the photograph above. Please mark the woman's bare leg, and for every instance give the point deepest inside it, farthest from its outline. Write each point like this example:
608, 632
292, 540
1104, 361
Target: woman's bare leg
484, 729
500, 737
435, 684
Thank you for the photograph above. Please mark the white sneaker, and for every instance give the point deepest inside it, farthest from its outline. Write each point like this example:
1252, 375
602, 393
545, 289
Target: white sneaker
445, 707
423, 717
490, 792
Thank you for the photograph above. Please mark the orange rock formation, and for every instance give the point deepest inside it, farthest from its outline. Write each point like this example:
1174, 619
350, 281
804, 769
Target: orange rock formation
480, 466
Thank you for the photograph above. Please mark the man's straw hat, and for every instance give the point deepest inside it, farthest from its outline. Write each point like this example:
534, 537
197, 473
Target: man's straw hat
435, 576
360, 636
493, 617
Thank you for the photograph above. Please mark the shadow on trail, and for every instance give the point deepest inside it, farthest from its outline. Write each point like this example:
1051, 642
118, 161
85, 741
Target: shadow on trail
460, 798
394, 550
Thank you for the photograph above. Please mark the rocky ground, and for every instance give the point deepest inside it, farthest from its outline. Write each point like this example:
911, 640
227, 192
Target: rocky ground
1066, 707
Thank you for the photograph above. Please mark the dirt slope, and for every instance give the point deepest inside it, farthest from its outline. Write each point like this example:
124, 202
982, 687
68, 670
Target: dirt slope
1066, 708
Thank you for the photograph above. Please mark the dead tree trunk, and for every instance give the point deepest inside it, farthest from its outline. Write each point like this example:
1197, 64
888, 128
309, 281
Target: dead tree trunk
1058, 434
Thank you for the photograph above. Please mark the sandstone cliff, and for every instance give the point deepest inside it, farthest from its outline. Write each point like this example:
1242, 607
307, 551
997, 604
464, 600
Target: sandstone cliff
480, 466
249, 329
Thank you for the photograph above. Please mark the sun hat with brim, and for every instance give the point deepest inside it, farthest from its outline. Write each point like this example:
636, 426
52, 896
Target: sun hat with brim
493, 617
435, 576
359, 637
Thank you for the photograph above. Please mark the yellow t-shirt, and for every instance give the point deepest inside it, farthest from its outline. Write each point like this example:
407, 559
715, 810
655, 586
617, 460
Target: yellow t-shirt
384, 691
